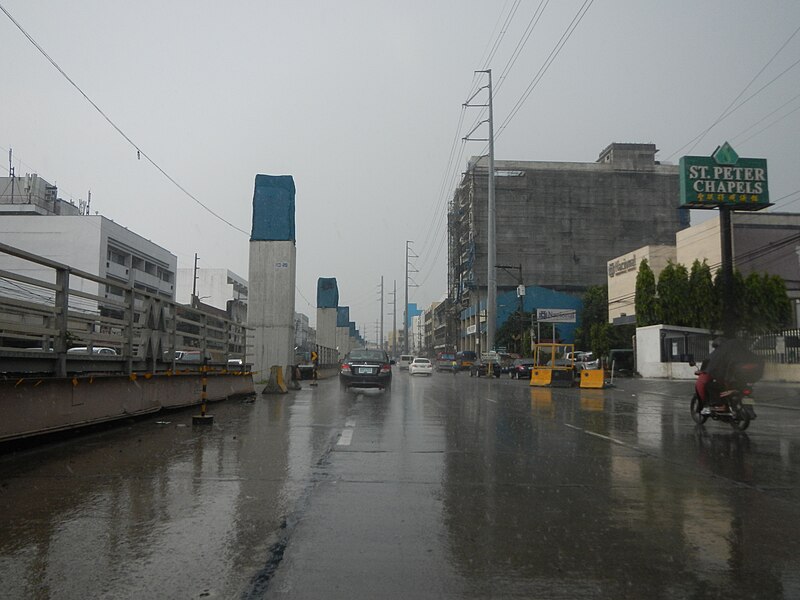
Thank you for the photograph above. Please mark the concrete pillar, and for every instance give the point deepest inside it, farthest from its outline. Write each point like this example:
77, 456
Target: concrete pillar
343, 341
270, 311
327, 311
326, 327
272, 273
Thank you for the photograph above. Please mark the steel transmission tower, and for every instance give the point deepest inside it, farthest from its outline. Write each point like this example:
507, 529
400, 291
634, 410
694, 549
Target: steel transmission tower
491, 275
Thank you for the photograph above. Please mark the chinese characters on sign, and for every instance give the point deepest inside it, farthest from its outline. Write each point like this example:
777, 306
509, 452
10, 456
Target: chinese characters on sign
724, 180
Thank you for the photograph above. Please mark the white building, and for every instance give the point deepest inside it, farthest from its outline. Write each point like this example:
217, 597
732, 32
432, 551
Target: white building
215, 287
93, 244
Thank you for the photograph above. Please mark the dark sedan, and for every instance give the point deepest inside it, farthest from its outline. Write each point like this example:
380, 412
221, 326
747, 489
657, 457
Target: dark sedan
364, 368
521, 368
480, 368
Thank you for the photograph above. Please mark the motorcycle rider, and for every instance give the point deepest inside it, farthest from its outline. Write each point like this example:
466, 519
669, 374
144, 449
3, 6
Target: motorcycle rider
719, 366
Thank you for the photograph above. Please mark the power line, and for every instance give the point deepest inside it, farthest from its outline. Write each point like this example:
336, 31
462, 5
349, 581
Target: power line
729, 110
139, 152
576, 20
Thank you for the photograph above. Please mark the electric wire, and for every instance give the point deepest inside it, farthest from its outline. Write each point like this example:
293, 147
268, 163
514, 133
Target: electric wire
765, 117
729, 110
138, 149
565, 37
775, 122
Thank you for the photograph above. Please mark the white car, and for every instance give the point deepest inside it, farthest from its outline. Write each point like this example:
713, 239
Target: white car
421, 366
95, 350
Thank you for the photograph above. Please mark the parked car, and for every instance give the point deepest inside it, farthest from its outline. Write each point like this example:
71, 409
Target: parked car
405, 360
446, 361
366, 368
521, 368
421, 366
100, 350
185, 356
480, 368
584, 360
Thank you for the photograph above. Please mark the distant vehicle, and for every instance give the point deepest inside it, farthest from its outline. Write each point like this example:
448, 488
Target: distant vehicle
366, 368
184, 356
465, 359
421, 366
446, 361
405, 360
521, 368
583, 360
480, 368
100, 350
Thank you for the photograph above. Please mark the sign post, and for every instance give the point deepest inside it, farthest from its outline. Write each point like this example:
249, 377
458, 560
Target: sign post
727, 182
553, 315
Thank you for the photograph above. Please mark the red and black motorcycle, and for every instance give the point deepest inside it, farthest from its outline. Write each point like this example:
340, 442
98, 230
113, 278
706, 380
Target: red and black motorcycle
730, 401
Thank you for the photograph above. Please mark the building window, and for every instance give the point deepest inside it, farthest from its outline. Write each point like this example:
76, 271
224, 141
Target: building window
117, 257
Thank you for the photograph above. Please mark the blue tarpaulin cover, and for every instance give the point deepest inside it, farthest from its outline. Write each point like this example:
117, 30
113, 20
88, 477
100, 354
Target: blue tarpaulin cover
273, 208
343, 316
353, 330
327, 292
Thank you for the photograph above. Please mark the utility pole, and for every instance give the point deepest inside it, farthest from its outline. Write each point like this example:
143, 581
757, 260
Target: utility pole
194, 283
394, 319
405, 309
11, 173
491, 276
380, 340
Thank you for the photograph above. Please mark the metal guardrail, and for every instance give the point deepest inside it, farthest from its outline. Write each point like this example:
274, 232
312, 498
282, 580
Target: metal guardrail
55, 308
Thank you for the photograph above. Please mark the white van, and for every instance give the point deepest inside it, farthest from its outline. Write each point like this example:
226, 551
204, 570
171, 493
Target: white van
405, 360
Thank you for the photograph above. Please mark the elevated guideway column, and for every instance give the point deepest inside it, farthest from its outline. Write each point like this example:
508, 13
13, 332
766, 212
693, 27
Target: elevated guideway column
272, 277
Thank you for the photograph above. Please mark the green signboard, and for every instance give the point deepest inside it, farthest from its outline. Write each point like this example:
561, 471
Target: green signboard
724, 179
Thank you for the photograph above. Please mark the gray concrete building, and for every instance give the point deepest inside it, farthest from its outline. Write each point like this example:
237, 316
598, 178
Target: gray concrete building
32, 195
560, 221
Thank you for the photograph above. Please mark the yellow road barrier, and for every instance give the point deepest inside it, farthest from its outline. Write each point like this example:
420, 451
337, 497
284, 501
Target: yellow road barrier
593, 378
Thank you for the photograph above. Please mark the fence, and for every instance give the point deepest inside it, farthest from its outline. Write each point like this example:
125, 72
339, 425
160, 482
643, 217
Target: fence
67, 318
777, 348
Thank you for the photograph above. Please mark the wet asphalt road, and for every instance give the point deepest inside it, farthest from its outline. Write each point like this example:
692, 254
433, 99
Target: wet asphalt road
448, 487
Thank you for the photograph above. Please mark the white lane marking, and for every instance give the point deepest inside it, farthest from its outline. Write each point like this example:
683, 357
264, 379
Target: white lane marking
490, 400
345, 438
350, 423
599, 435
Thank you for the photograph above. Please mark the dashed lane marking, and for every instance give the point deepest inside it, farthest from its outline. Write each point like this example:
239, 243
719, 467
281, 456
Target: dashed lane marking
601, 436
345, 438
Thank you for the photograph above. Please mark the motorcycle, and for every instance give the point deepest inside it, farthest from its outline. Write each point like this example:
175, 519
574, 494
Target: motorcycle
734, 404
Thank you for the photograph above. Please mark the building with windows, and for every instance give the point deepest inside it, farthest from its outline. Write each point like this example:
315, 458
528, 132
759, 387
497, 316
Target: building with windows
216, 287
32, 195
93, 244
35, 219
763, 242
557, 224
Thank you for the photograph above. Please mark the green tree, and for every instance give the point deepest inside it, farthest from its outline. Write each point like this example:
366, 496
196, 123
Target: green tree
514, 332
595, 310
673, 295
702, 301
738, 311
646, 302
766, 305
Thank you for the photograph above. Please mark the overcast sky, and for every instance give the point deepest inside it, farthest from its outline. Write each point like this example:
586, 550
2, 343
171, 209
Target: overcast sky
361, 102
